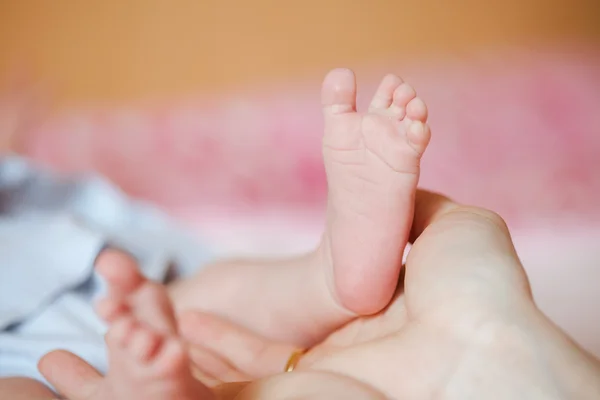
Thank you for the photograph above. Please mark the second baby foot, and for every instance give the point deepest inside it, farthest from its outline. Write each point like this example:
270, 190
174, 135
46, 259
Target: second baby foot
129, 292
147, 361
144, 364
372, 163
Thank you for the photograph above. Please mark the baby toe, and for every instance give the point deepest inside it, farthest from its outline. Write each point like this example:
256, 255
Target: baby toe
384, 94
416, 110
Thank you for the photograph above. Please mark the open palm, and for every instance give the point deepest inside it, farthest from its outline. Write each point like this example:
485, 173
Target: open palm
465, 296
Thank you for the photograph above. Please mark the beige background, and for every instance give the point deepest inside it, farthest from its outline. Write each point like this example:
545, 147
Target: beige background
131, 49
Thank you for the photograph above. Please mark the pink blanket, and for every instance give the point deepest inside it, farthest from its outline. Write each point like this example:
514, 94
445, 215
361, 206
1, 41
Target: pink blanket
518, 133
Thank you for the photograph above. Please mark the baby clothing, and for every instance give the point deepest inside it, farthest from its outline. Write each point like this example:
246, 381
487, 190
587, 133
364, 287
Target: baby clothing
51, 231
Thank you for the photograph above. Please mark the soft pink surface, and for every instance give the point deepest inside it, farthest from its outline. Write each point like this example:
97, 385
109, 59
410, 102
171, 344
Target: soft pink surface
518, 133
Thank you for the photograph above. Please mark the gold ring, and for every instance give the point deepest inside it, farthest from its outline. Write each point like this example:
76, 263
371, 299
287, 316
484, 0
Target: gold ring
293, 360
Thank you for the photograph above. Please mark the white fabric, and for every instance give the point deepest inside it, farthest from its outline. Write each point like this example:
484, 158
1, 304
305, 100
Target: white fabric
51, 231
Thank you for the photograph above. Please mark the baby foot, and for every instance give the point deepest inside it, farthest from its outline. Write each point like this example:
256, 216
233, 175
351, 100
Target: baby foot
146, 359
143, 364
130, 293
372, 164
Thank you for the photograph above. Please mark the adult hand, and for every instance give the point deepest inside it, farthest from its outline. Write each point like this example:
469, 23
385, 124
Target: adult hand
463, 325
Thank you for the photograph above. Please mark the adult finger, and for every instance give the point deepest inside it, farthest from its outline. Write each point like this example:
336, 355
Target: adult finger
69, 374
308, 385
212, 369
249, 353
428, 207
461, 252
